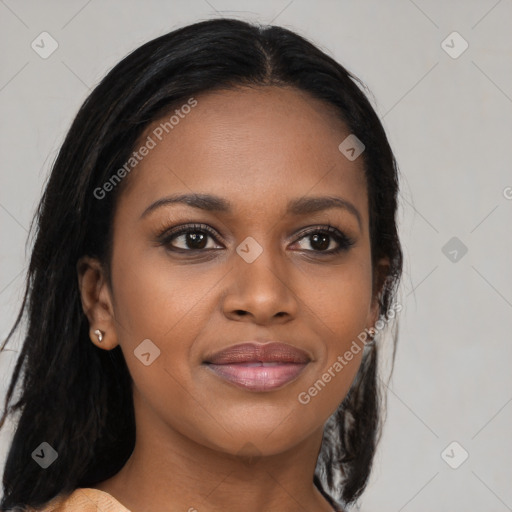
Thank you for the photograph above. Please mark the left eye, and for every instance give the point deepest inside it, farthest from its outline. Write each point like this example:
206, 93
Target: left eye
319, 240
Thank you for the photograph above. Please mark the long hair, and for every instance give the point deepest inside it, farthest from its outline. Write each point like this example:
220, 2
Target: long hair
78, 398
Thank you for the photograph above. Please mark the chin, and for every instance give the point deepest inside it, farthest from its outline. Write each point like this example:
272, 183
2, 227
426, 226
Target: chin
268, 435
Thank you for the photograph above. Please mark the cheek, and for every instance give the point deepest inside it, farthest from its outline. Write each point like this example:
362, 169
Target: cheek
154, 300
170, 306
339, 307
341, 299
156, 304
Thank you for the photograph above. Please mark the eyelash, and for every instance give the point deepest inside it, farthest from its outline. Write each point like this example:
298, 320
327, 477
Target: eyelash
343, 240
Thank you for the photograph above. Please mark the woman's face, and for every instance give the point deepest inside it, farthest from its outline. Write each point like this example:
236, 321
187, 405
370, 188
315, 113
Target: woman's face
264, 273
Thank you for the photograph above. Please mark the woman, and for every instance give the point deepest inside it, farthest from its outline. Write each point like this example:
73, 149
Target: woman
216, 253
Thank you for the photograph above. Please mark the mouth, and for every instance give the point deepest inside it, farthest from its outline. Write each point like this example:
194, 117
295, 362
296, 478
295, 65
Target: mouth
258, 367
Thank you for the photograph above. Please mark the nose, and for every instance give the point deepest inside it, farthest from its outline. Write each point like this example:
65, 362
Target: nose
261, 291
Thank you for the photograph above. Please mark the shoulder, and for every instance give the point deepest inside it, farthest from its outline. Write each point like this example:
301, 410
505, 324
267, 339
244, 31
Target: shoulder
83, 500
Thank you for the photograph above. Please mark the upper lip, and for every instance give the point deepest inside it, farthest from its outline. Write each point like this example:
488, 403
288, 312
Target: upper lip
251, 351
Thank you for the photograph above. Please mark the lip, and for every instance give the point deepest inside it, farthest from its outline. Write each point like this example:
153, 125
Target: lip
259, 367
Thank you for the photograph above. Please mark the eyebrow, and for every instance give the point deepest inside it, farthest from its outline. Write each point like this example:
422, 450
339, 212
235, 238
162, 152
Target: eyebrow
299, 206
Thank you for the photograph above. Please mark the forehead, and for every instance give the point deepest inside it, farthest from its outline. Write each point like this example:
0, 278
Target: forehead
255, 146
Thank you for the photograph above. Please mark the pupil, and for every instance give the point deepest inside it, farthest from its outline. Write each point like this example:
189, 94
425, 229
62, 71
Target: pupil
196, 240
325, 243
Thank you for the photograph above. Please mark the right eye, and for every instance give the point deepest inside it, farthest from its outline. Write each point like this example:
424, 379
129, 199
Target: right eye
193, 237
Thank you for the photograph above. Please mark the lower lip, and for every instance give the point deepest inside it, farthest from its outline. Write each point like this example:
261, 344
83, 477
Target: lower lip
258, 378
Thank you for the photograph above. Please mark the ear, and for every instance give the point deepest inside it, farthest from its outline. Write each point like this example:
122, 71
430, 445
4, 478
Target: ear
97, 301
381, 272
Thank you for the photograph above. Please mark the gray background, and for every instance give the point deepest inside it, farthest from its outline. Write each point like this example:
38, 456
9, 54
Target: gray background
449, 123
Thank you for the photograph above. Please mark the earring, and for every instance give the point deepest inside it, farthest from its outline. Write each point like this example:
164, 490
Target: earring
99, 334
372, 332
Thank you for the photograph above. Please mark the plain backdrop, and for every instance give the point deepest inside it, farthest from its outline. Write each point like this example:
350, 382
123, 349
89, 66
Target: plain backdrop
445, 100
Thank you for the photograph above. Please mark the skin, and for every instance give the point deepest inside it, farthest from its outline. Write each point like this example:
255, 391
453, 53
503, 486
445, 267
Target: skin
202, 443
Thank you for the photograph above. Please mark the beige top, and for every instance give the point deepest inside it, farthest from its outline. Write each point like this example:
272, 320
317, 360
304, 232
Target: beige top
83, 500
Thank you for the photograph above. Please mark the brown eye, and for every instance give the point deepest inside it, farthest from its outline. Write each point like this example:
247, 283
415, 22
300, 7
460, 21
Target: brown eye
193, 238
320, 239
